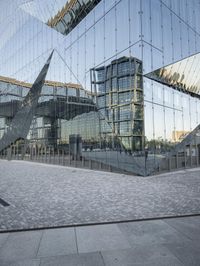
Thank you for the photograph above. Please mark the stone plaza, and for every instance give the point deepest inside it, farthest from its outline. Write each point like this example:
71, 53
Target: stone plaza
41, 196
54, 215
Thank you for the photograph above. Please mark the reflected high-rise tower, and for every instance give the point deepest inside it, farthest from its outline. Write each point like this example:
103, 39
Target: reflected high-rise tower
119, 98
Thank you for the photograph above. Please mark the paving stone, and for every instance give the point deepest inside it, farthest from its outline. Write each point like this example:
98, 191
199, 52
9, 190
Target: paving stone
89, 259
188, 254
166, 261
20, 245
22, 263
142, 255
100, 237
151, 232
188, 226
48, 195
3, 238
57, 242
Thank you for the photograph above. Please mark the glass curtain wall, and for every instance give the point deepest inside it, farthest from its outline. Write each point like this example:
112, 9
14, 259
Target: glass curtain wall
154, 32
157, 33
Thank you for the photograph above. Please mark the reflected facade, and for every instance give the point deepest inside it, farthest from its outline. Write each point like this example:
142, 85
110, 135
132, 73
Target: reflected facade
119, 98
71, 14
58, 103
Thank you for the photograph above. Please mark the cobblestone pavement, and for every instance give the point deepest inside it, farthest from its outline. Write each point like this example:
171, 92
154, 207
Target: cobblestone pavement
48, 195
165, 242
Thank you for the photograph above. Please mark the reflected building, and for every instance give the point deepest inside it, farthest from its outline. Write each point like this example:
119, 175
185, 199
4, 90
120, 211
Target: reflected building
118, 88
58, 103
71, 15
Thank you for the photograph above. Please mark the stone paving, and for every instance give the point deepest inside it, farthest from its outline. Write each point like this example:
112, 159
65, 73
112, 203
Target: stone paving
48, 195
165, 242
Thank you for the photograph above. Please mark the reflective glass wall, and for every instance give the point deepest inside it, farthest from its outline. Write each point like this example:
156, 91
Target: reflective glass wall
169, 115
58, 103
157, 33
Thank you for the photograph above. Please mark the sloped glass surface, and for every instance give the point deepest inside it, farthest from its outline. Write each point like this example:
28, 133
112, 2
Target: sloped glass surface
182, 75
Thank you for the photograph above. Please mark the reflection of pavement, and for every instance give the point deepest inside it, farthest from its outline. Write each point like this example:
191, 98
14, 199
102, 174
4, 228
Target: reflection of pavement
132, 164
47, 195
172, 242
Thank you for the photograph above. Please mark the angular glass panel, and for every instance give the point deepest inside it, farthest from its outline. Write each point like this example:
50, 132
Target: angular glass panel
181, 75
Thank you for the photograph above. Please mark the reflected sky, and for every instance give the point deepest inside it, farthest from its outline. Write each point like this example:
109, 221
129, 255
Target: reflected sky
42, 10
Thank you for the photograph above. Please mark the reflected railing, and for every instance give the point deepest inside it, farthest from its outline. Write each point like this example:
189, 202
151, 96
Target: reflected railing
106, 159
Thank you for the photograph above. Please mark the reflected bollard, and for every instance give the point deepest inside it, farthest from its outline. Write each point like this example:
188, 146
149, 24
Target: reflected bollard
39, 155
49, 155
30, 153
59, 157
9, 153
14, 151
17, 152
185, 159
69, 158
45, 154
176, 160
169, 163
34, 154
190, 155
53, 156
197, 155
83, 161
100, 165
62, 157
90, 164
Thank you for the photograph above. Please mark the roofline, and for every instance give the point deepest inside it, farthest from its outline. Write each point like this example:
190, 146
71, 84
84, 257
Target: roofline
47, 82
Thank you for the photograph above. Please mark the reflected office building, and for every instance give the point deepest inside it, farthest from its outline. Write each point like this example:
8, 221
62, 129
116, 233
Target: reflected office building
119, 98
123, 86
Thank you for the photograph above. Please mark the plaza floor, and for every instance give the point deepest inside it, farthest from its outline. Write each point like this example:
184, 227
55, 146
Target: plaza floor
165, 242
42, 196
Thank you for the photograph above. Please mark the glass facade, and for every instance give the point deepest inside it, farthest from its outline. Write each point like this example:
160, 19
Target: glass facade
136, 61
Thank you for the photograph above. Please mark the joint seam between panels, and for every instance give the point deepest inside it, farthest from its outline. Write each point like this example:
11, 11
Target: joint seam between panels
114, 56
162, 105
188, 25
104, 14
